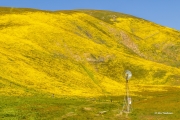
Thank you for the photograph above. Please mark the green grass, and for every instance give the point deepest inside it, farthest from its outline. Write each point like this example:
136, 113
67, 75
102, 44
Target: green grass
151, 105
161, 102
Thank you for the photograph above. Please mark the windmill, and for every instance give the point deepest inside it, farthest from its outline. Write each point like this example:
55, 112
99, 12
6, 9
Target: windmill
127, 103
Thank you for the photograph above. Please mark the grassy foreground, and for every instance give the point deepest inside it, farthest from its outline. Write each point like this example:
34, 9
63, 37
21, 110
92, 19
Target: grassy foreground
149, 105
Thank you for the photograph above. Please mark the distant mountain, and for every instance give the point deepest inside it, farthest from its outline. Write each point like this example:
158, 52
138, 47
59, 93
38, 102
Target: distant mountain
83, 52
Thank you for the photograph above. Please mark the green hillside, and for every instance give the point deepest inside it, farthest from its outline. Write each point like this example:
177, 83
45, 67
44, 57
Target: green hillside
83, 52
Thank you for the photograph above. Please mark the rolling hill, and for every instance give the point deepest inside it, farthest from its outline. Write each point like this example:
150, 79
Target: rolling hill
83, 52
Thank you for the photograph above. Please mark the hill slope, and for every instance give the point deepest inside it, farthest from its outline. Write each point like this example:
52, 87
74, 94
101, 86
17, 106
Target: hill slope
83, 52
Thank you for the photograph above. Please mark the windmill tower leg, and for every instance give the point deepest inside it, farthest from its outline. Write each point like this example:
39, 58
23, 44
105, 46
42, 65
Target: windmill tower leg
127, 99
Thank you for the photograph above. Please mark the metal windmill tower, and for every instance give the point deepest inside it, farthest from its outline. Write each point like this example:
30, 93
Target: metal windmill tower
127, 103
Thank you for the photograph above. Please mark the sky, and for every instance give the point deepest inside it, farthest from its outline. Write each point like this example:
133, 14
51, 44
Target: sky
163, 12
